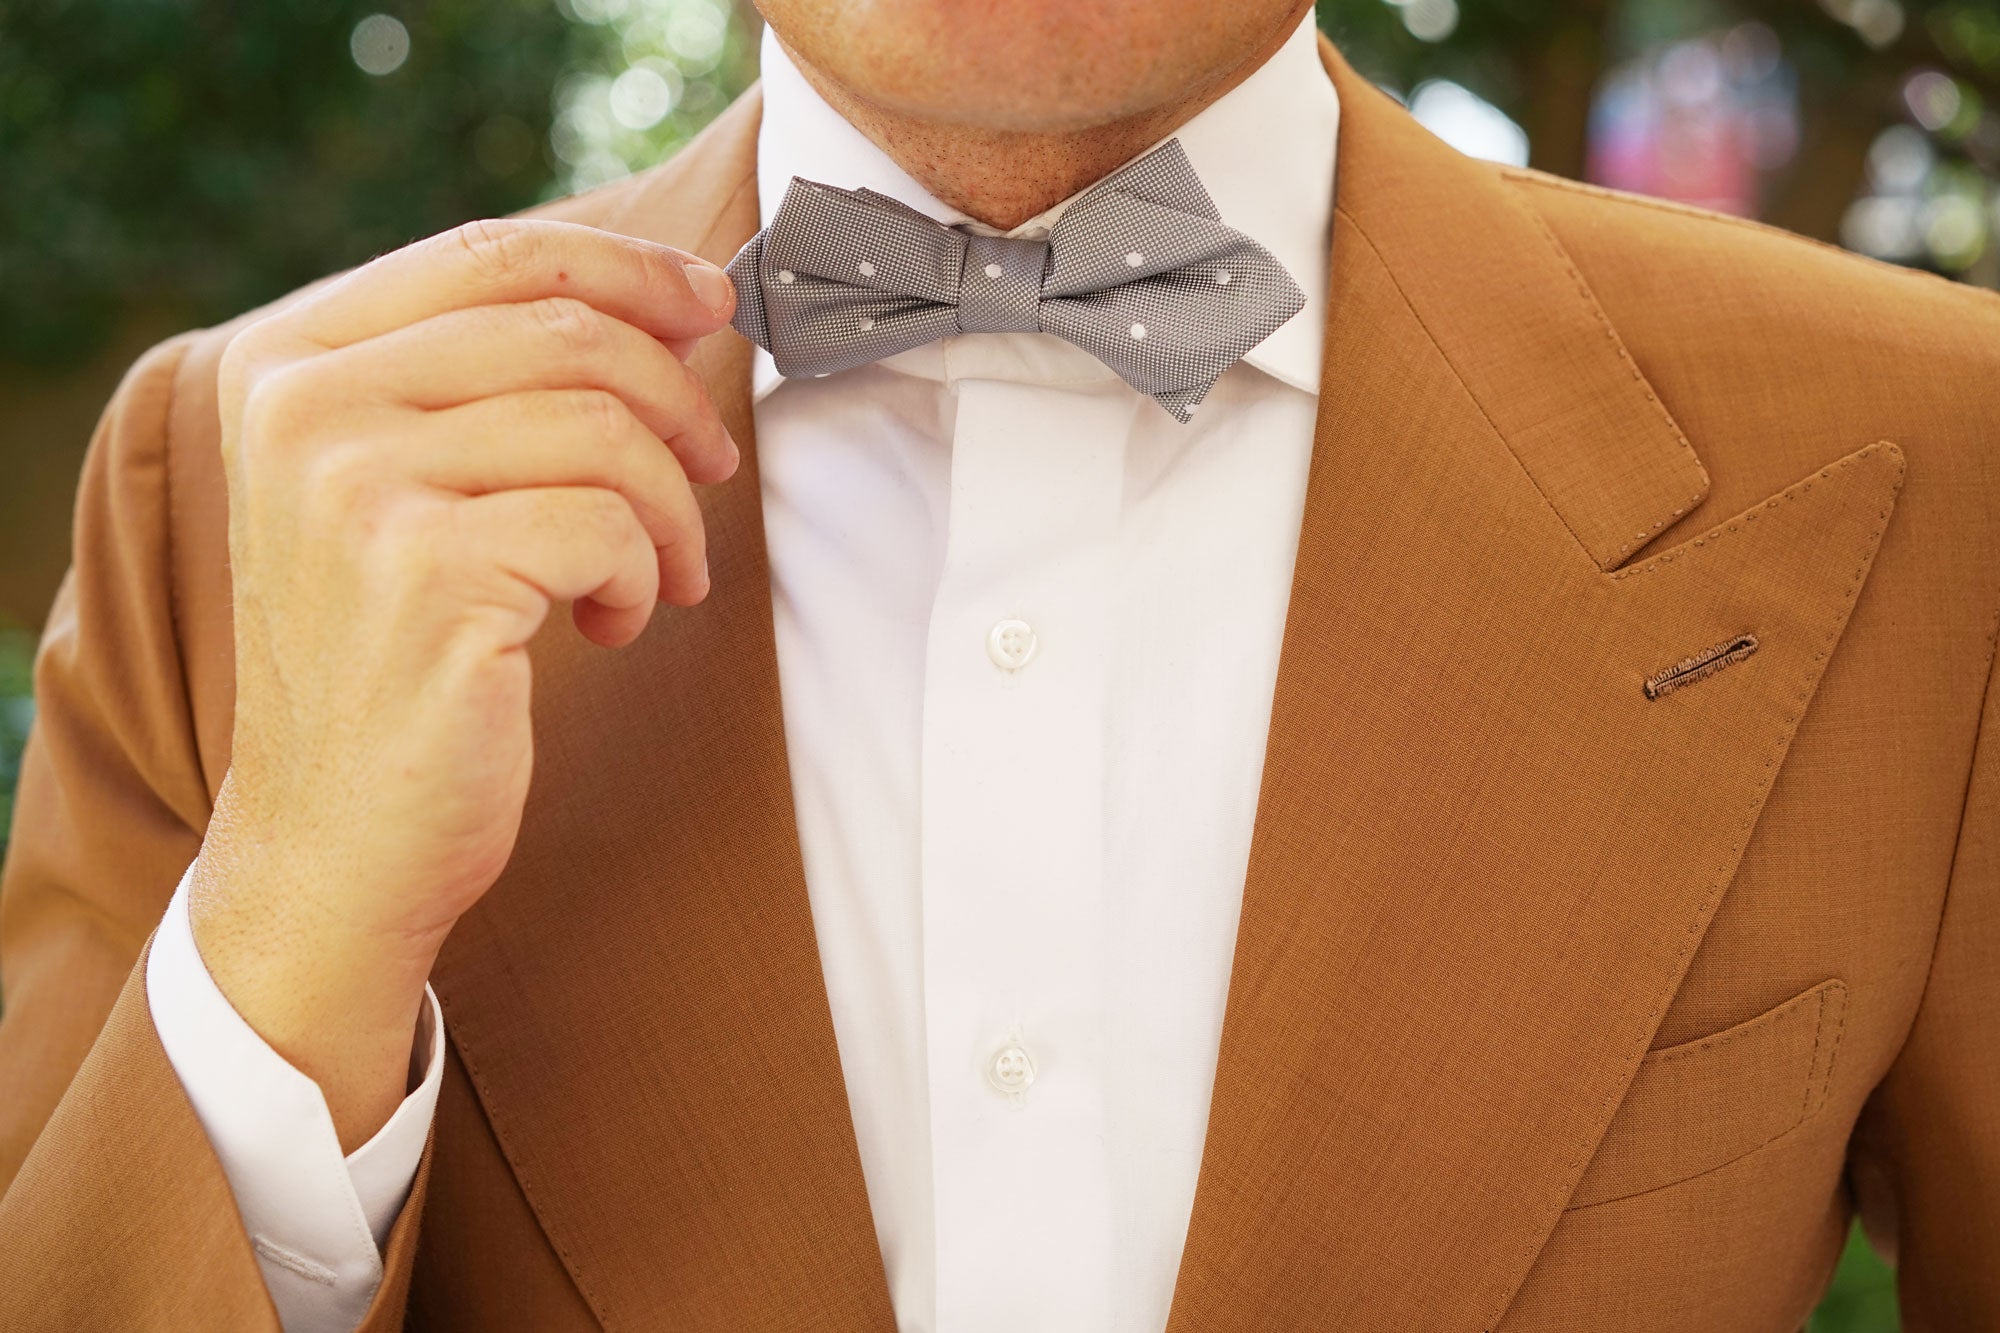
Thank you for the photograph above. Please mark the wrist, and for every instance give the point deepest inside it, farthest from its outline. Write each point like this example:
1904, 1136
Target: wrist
339, 1000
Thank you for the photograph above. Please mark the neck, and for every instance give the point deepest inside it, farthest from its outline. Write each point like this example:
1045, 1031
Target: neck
1004, 177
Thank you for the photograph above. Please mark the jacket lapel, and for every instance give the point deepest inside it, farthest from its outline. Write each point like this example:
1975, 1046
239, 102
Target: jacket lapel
638, 1000
1483, 854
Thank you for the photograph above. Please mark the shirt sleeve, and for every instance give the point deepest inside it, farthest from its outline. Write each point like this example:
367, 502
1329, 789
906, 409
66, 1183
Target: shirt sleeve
316, 1219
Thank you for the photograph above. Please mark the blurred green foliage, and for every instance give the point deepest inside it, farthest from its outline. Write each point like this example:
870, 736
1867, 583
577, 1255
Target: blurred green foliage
645, 77
203, 156
1862, 1298
17, 710
1860, 67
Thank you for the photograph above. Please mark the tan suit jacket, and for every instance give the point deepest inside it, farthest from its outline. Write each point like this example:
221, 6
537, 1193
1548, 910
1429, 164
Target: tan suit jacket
1556, 1006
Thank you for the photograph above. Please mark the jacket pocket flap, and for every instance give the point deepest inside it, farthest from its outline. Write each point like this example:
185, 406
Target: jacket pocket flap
1705, 1103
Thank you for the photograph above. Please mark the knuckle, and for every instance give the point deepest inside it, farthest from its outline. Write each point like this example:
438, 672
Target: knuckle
660, 269
684, 533
342, 479
601, 414
278, 405
610, 515
500, 250
703, 416
252, 354
569, 322
240, 356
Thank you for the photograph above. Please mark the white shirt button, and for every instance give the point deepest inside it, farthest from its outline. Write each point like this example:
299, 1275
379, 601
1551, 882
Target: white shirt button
1011, 1069
1011, 643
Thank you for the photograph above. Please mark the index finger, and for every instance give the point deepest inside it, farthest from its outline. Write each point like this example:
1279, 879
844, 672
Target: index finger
668, 293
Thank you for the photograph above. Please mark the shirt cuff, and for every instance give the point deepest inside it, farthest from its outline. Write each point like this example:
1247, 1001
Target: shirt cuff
316, 1219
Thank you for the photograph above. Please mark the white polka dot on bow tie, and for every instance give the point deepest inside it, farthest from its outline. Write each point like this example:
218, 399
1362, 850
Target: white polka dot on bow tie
1138, 331
1134, 259
867, 324
993, 270
867, 269
1222, 277
786, 275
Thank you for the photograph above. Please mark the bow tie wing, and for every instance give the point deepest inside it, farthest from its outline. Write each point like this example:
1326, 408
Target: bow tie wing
1145, 276
845, 277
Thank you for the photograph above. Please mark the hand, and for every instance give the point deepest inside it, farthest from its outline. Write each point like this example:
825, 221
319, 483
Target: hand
420, 458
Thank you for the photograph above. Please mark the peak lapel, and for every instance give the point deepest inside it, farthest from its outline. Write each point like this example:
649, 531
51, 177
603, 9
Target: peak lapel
638, 1000
1483, 855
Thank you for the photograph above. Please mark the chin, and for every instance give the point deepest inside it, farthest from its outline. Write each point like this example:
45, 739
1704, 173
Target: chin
1036, 66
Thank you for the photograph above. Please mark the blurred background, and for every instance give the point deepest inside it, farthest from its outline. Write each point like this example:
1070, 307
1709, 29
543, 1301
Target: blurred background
168, 163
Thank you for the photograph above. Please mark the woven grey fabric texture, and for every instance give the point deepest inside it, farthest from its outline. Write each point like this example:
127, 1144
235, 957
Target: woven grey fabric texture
1141, 272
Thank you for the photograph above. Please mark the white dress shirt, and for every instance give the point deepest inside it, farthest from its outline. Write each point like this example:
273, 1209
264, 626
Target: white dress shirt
1027, 635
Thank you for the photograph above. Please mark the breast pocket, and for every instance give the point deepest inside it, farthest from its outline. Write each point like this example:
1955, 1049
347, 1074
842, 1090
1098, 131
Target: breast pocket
1705, 1103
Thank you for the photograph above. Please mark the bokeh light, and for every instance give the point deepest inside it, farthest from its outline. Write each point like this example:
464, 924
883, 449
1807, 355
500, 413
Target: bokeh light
1468, 122
648, 74
379, 44
1429, 20
1934, 99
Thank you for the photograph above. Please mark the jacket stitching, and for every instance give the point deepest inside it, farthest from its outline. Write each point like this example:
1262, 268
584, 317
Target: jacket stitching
1701, 665
1537, 1238
1805, 1112
1624, 355
1821, 1085
1790, 1009
1361, 233
1798, 488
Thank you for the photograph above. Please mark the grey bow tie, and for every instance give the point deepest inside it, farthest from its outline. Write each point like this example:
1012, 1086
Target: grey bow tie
1140, 272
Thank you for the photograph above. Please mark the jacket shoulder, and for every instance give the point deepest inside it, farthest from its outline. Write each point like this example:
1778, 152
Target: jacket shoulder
1777, 353
1621, 238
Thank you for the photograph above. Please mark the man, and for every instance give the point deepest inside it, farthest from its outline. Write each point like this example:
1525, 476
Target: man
1394, 754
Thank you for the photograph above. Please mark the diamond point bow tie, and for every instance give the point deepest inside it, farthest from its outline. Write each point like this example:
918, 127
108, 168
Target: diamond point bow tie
1140, 272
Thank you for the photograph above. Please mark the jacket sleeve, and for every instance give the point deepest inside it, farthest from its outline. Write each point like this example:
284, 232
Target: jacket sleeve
114, 1210
1925, 1156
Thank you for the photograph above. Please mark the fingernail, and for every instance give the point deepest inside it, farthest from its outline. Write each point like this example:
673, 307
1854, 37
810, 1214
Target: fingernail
712, 287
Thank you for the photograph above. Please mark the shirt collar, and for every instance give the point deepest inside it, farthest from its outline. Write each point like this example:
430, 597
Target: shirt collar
1264, 152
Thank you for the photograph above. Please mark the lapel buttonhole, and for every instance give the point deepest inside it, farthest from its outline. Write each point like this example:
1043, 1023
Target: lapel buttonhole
1704, 663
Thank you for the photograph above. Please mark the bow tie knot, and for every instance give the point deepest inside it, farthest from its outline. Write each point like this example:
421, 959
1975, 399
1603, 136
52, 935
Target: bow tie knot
1000, 284
1140, 271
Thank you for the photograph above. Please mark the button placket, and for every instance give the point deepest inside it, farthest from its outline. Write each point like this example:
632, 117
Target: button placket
1012, 835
